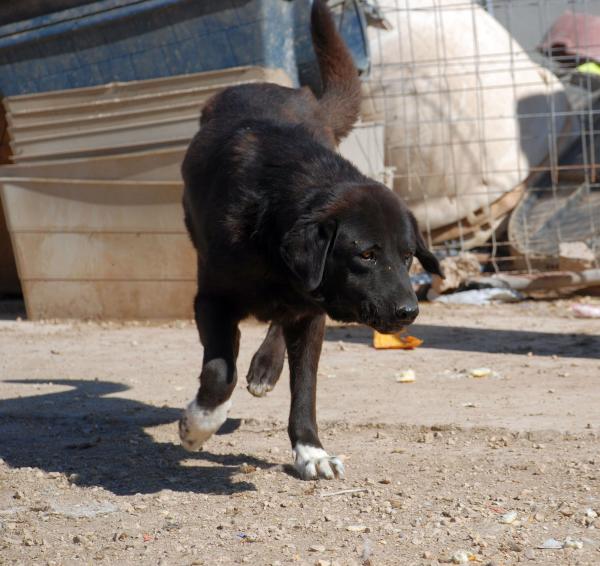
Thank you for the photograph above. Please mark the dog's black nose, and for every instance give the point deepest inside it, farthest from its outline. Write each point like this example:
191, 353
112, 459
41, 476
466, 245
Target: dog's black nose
406, 313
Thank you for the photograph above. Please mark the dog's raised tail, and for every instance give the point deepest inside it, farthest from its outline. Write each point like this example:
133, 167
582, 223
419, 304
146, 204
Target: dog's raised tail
340, 100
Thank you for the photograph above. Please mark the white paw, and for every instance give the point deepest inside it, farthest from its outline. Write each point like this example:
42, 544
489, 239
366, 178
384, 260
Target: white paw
198, 424
259, 389
312, 463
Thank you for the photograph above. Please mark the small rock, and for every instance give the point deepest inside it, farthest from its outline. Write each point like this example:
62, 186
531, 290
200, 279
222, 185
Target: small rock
529, 554
515, 546
323, 563
358, 528
573, 543
566, 511
396, 503
479, 373
590, 513
508, 518
316, 548
247, 468
427, 555
462, 557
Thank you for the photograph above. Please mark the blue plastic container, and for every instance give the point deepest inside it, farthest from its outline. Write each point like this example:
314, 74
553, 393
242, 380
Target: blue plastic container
123, 40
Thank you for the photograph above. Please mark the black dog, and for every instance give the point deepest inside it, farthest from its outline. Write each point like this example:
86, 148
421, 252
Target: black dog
289, 231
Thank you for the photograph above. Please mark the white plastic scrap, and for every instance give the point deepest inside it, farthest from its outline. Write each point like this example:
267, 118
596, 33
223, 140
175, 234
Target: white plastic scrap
481, 297
406, 376
551, 544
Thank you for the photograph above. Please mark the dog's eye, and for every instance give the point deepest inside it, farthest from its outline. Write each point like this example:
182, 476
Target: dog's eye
368, 255
407, 259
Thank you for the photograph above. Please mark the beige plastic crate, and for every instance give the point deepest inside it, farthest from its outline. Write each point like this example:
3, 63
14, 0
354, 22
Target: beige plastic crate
26, 103
154, 165
100, 249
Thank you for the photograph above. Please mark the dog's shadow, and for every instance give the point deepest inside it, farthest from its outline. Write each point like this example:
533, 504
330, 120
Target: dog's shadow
100, 440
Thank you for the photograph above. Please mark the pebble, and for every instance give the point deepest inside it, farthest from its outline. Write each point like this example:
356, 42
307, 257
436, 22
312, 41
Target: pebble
573, 543
479, 373
461, 557
358, 528
529, 554
508, 518
590, 513
427, 438
316, 548
515, 546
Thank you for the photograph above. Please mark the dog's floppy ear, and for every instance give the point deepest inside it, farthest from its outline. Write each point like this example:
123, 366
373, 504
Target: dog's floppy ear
422, 253
304, 249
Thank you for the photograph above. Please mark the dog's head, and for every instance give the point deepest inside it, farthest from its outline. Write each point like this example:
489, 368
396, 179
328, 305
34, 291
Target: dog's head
353, 256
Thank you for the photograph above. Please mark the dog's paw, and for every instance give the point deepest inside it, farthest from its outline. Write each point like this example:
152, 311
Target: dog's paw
262, 375
198, 424
259, 388
313, 463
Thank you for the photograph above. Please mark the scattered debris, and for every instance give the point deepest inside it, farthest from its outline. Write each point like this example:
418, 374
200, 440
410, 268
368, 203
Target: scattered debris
481, 297
539, 283
457, 269
395, 341
406, 376
575, 256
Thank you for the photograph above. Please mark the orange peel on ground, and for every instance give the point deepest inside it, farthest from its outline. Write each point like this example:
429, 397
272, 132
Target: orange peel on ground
395, 341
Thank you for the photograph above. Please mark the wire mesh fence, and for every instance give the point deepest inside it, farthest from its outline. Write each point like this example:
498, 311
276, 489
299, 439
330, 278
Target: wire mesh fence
492, 114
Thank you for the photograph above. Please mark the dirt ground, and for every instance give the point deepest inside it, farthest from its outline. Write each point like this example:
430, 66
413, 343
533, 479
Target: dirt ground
449, 467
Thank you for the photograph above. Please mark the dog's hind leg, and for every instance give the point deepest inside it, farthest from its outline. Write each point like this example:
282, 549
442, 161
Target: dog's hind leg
218, 328
267, 363
304, 339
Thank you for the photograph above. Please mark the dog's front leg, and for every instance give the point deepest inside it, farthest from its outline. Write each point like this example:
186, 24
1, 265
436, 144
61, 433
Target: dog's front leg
304, 339
218, 329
